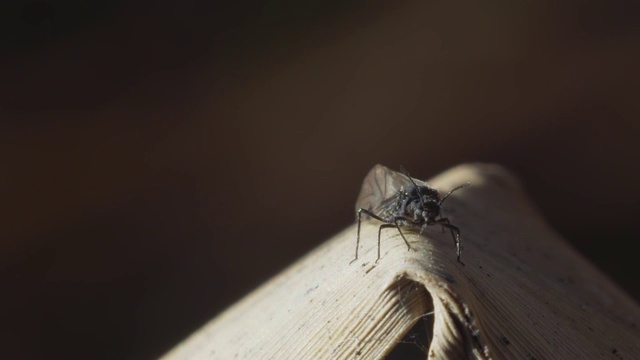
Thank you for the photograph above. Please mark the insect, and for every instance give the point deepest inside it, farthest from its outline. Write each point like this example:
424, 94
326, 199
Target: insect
396, 199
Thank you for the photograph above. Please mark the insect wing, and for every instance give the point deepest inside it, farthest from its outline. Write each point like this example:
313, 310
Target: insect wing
380, 188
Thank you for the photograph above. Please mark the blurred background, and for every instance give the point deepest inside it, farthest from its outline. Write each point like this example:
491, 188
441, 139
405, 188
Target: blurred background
161, 159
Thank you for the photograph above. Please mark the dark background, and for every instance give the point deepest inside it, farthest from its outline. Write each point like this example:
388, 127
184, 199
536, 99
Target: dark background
161, 159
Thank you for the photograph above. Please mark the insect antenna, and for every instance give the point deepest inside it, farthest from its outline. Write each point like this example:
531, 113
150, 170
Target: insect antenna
406, 173
452, 190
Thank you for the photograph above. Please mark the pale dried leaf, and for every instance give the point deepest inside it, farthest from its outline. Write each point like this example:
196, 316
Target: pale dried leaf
523, 294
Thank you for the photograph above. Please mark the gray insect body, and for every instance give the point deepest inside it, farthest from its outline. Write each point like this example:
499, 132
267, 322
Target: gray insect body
397, 200
418, 203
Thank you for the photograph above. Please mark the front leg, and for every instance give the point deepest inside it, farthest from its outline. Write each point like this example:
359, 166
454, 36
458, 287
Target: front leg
396, 221
455, 232
396, 224
443, 220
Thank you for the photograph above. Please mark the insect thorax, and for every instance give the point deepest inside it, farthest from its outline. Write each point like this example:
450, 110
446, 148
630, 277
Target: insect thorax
416, 204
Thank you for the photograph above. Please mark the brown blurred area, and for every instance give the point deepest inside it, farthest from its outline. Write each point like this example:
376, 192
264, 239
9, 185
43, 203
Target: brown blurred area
161, 159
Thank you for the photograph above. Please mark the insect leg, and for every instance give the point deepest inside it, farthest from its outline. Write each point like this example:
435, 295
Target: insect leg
455, 232
443, 220
397, 224
383, 226
369, 213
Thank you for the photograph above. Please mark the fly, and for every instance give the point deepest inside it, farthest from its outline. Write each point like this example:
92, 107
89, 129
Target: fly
396, 199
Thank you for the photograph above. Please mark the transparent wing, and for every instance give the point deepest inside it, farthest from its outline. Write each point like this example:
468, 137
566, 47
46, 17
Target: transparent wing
380, 187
